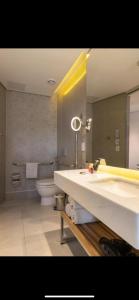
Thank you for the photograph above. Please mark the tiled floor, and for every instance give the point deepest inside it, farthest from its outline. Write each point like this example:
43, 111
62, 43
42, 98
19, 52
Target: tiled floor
22, 228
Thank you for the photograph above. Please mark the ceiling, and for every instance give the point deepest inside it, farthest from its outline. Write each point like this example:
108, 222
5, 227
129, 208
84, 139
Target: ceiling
134, 101
28, 70
111, 72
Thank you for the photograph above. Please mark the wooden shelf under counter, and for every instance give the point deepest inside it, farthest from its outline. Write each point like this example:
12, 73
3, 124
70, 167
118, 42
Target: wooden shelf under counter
89, 235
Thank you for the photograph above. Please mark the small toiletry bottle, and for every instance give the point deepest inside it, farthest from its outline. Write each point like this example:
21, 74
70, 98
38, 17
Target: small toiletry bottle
90, 168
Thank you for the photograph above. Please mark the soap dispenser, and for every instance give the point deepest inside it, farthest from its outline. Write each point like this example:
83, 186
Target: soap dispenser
99, 161
103, 161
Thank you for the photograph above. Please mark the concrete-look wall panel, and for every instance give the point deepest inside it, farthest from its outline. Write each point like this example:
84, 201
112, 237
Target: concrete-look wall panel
2, 141
69, 106
134, 140
110, 115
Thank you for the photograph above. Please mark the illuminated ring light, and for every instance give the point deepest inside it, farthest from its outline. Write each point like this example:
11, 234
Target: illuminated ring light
72, 122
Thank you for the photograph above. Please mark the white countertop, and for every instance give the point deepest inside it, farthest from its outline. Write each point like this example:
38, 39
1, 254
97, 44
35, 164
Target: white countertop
88, 181
112, 199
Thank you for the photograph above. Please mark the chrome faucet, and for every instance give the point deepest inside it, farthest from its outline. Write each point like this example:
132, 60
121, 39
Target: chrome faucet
96, 164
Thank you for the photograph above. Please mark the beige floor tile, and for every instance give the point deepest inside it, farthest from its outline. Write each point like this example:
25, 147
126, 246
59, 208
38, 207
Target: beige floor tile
11, 223
32, 226
49, 226
52, 221
12, 251
15, 248
23, 226
37, 246
29, 212
10, 214
10, 238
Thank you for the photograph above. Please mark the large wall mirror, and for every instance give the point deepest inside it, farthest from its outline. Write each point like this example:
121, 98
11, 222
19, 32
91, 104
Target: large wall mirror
113, 104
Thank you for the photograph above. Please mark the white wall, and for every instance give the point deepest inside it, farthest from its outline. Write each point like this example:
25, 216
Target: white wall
134, 140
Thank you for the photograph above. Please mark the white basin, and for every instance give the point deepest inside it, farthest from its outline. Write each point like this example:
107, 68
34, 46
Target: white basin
111, 199
119, 187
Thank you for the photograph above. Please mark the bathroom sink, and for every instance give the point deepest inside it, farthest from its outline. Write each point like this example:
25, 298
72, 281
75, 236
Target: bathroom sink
119, 187
114, 200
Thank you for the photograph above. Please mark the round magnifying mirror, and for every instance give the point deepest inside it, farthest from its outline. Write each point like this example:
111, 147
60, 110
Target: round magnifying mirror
76, 124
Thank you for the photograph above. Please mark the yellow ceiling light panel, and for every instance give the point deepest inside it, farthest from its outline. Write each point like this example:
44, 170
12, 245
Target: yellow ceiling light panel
77, 75
73, 76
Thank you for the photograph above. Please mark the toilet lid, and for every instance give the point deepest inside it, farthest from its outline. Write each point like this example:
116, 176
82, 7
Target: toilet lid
46, 182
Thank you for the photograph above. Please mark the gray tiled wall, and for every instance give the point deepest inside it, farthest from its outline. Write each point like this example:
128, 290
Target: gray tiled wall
31, 135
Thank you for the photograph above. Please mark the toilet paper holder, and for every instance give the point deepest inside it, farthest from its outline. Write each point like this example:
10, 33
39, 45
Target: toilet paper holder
15, 178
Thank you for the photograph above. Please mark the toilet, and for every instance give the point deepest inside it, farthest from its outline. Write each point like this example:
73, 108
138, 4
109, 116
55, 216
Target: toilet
47, 189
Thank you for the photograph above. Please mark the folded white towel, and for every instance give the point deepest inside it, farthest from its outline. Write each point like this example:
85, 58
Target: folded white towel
31, 170
73, 203
82, 216
68, 210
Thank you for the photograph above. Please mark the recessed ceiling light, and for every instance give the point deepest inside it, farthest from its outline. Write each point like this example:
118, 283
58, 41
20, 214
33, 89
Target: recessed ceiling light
51, 81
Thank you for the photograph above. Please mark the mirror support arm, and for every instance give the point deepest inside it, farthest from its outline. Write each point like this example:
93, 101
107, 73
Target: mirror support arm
76, 150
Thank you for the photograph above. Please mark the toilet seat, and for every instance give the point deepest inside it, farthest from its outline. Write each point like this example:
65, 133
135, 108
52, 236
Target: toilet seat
47, 189
46, 182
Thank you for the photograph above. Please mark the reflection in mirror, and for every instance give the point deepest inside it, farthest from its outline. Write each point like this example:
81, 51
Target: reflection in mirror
112, 77
134, 131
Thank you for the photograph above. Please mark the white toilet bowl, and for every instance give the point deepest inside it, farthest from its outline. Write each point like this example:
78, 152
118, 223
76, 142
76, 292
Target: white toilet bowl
47, 189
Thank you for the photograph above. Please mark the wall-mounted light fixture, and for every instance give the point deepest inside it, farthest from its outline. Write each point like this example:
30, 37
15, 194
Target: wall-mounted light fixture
74, 75
77, 123
88, 124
